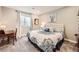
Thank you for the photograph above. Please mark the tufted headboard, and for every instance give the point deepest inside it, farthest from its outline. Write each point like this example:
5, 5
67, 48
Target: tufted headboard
55, 26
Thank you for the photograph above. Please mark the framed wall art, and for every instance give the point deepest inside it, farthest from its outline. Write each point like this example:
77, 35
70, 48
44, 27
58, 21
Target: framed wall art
52, 18
36, 21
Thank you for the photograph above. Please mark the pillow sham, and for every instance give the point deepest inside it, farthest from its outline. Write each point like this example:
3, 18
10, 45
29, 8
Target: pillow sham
47, 30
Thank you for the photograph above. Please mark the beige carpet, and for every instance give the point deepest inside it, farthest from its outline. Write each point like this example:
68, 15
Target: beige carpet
23, 45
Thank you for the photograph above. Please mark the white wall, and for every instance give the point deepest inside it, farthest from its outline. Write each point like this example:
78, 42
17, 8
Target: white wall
10, 18
68, 17
0, 13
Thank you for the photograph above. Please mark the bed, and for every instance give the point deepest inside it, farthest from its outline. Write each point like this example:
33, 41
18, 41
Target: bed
46, 40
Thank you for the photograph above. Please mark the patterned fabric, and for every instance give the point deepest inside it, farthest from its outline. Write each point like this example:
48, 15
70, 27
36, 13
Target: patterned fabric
33, 39
47, 45
45, 41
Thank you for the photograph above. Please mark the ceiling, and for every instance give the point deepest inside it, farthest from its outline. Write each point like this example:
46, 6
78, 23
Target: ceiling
36, 9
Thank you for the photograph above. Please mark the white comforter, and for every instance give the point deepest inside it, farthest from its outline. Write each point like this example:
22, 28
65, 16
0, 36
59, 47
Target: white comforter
39, 37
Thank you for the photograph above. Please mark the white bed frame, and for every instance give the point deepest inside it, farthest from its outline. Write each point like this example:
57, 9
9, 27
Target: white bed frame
60, 27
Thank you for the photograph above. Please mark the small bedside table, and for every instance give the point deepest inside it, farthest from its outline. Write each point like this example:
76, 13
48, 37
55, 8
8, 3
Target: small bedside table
77, 37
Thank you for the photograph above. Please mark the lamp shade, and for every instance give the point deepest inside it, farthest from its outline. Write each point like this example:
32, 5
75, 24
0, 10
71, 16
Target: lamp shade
42, 24
2, 26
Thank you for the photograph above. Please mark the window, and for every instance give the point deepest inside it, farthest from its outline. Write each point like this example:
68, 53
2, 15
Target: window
25, 20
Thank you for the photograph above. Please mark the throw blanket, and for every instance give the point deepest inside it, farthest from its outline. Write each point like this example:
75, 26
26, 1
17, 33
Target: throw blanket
45, 41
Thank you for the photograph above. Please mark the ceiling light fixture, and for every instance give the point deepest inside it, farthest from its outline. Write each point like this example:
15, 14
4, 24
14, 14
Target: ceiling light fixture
35, 11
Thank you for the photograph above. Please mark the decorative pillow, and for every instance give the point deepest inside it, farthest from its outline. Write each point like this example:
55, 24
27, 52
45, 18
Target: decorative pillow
47, 30
51, 29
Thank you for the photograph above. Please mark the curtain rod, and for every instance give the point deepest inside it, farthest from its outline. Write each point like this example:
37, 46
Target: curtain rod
23, 12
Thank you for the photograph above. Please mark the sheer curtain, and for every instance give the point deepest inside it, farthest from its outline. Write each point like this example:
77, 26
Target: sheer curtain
25, 23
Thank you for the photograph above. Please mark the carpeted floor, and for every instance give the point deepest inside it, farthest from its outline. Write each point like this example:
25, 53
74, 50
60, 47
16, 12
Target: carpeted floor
23, 45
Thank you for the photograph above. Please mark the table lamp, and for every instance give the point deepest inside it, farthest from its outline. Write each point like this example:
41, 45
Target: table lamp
2, 26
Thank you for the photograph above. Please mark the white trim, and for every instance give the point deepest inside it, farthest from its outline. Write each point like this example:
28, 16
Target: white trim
70, 40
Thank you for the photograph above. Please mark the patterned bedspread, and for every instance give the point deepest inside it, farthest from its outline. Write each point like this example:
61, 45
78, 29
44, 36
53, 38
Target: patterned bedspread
45, 40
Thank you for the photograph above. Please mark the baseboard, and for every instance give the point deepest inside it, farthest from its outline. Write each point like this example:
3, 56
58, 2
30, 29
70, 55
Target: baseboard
21, 36
71, 41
